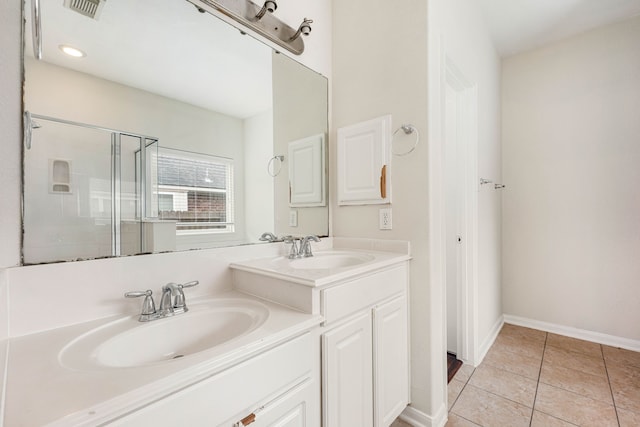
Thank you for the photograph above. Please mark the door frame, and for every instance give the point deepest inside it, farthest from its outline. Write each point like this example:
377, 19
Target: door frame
467, 152
441, 70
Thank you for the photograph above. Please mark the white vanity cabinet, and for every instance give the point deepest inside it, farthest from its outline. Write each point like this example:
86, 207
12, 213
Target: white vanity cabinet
275, 388
361, 292
347, 383
365, 368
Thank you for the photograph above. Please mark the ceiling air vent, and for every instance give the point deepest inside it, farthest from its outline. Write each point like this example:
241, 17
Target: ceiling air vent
90, 8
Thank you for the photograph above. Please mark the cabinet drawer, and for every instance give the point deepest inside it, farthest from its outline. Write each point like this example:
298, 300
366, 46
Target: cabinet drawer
294, 408
214, 400
362, 293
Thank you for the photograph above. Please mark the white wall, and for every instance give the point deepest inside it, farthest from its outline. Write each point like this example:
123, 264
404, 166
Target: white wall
571, 161
258, 149
10, 162
466, 45
4, 335
459, 40
379, 68
10, 131
385, 72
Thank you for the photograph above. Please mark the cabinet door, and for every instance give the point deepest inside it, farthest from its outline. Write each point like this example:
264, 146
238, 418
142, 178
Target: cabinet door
347, 387
391, 360
363, 163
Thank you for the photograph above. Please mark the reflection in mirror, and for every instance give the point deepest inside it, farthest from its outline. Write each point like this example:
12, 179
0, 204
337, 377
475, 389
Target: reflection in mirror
159, 137
306, 172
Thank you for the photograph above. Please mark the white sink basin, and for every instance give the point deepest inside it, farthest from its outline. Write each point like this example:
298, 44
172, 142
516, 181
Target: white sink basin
329, 260
128, 343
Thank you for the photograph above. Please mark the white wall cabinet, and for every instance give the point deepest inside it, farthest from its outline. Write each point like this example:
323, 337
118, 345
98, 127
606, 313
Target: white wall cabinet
365, 361
364, 163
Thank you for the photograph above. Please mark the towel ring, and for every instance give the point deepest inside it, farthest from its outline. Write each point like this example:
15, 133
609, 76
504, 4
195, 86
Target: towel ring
275, 173
408, 130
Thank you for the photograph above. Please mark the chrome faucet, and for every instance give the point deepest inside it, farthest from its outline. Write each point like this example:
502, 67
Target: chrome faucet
172, 301
148, 305
302, 250
305, 246
269, 237
293, 252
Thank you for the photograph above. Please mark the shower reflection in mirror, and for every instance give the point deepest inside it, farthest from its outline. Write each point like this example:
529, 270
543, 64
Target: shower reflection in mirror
88, 191
94, 192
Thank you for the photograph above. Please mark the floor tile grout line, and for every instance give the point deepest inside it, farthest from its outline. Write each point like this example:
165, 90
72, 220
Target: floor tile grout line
508, 371
558, 418
576, 352
506, 350
547, 346
613, 398
463, 387
467, 419
535, 396
500, 396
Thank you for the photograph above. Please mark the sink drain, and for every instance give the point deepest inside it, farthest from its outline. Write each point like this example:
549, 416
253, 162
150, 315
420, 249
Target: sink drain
178, 356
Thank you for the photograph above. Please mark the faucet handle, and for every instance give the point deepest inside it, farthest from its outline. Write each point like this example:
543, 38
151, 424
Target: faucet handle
305, 246
189, 284
179, 302
293, 253
148, 305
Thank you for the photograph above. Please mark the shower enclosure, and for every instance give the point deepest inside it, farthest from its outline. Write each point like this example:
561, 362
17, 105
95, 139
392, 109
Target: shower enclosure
90, 192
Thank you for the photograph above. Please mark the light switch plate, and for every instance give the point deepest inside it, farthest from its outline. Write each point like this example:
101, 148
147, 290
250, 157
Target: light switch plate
385, 219
293, 218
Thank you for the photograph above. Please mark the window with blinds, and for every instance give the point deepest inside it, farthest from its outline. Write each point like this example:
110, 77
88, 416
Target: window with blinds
196, 190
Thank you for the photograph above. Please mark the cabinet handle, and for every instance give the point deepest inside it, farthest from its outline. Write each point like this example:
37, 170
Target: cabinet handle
383, 182
246, 420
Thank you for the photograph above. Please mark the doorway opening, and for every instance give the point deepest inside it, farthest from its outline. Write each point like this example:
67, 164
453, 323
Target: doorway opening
460, 210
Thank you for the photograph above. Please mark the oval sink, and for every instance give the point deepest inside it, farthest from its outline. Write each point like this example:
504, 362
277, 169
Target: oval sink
129, 343
331, 260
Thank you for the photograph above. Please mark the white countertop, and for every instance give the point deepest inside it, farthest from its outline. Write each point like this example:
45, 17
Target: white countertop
283, 268
41, 391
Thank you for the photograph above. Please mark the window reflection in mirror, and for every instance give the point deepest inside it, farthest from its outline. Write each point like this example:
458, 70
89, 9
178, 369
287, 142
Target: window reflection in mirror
196, 191
160, 69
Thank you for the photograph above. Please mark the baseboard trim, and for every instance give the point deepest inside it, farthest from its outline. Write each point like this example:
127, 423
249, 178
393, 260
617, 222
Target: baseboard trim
417, 418
488, 342
569, 331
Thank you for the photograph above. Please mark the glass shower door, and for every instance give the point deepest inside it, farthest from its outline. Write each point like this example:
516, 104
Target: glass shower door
67, 194
90, 192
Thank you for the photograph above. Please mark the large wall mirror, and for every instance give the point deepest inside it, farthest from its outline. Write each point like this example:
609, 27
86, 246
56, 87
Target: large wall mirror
168, 130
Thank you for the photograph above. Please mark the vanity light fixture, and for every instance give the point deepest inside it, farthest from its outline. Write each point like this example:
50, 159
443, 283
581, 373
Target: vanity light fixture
304, 29
260, 19
72, 51
269, 6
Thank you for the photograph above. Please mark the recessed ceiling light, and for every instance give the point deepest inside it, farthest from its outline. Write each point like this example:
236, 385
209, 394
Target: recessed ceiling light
72, 51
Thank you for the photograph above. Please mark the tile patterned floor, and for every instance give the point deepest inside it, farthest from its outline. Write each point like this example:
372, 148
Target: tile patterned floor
532, 378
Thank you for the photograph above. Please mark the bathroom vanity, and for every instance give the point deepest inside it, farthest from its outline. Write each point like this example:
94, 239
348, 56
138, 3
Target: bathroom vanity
304, 342
361, 293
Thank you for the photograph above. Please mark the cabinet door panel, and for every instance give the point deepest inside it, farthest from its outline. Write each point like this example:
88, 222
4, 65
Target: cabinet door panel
347, 374
363, 152
391, 362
